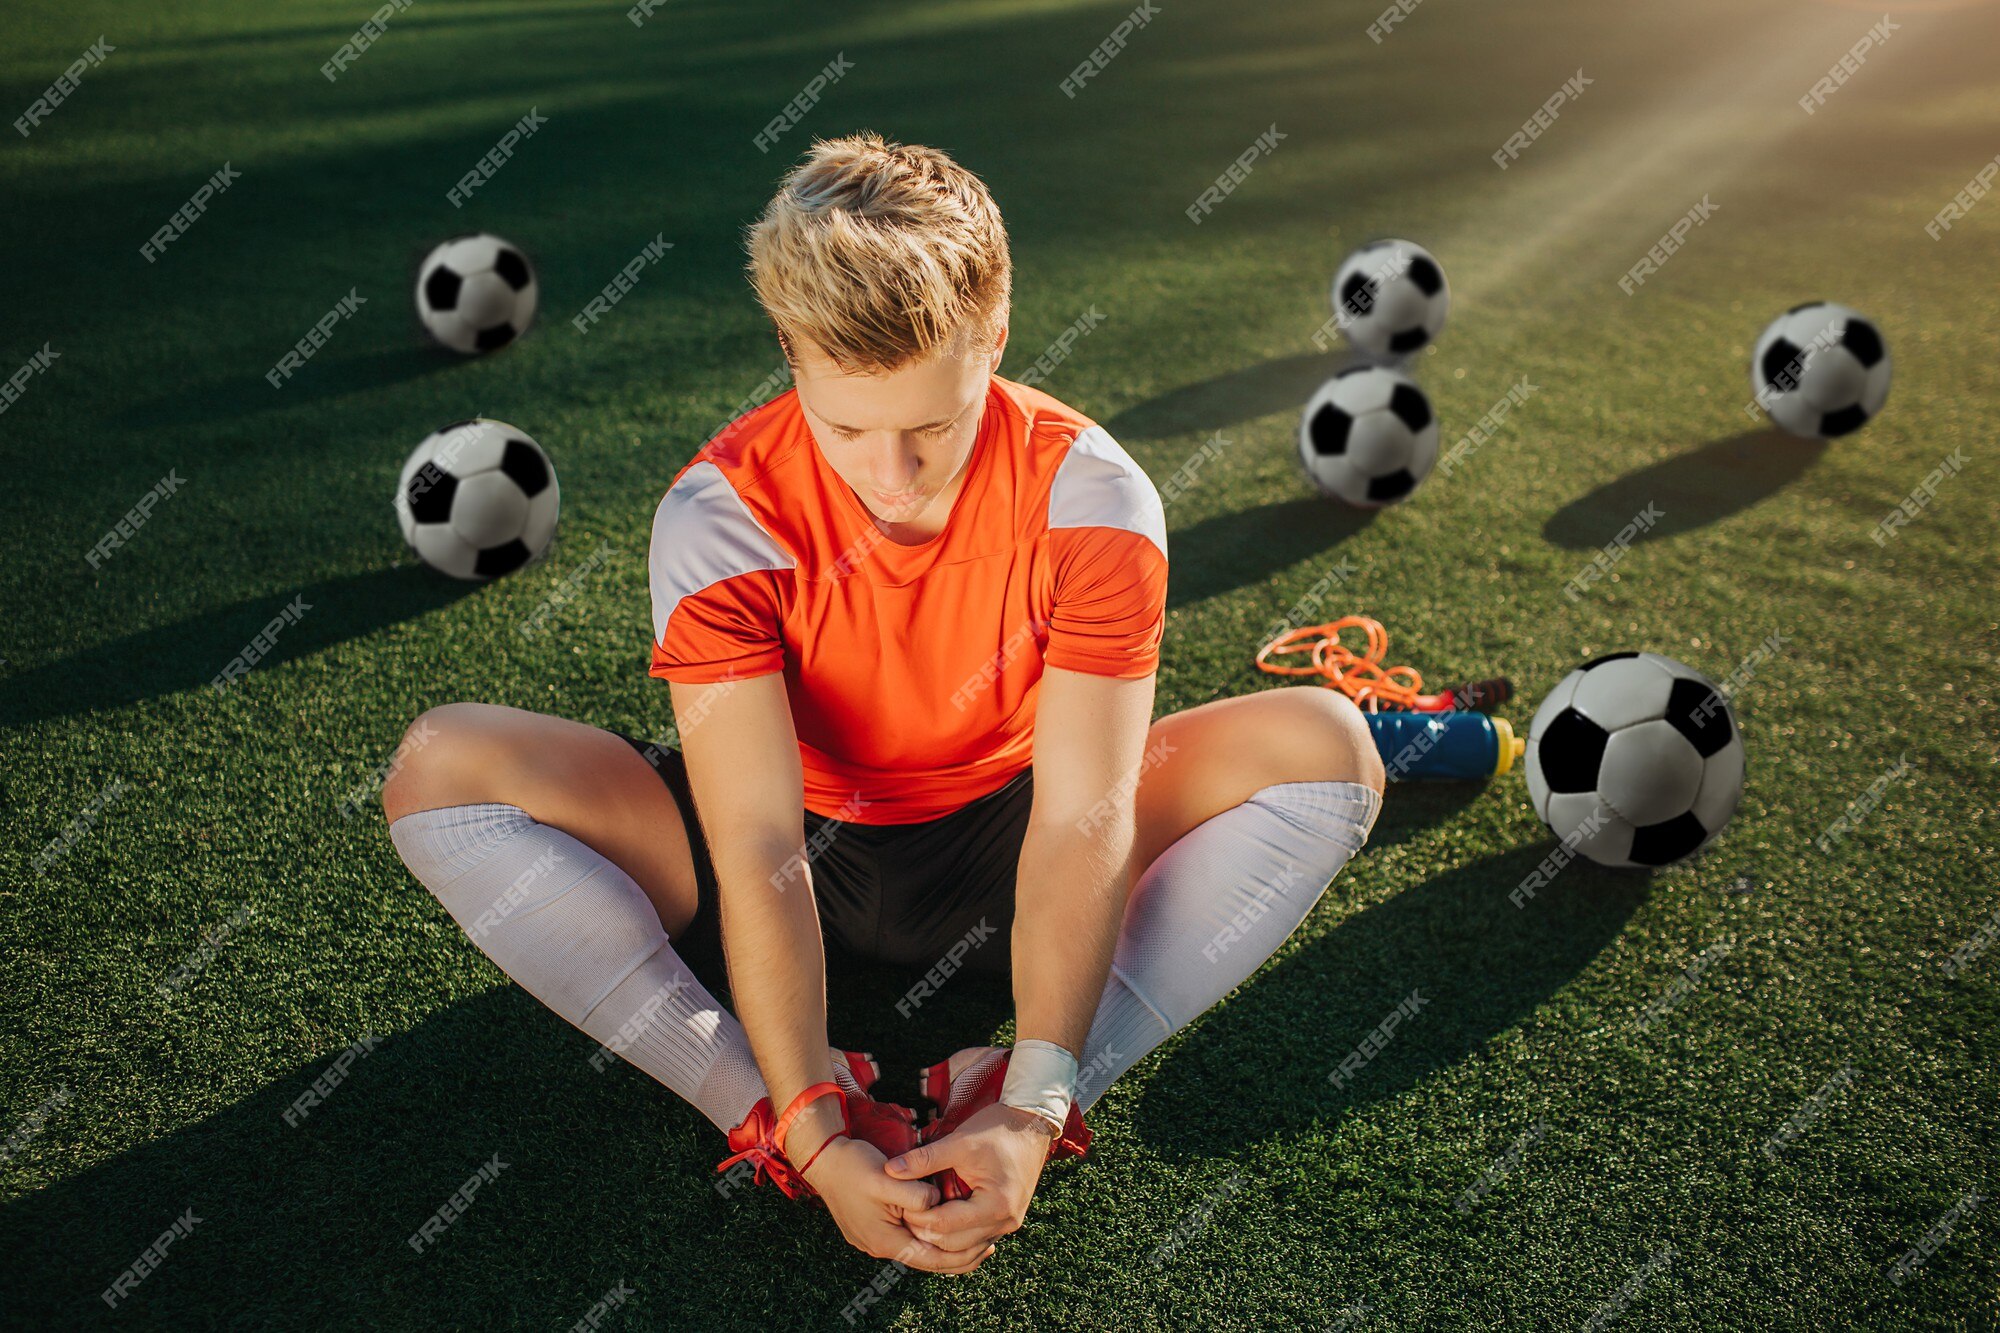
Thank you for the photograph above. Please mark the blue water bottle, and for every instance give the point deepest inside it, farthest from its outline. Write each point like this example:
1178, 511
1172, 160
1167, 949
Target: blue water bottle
1426, 747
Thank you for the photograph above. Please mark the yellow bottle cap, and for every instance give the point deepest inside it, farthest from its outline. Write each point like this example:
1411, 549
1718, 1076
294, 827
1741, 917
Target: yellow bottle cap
1511, 746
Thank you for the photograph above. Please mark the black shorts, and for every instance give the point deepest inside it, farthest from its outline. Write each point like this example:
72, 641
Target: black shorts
903, 894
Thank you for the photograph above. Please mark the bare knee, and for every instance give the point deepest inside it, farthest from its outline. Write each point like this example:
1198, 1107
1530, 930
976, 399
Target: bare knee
1243, 744
1333, 731
438, 750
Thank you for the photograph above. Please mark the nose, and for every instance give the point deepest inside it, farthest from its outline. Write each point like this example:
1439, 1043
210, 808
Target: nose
894, 469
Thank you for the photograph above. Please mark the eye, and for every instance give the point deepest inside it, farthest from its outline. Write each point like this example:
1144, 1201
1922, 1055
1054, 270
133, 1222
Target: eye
939, 430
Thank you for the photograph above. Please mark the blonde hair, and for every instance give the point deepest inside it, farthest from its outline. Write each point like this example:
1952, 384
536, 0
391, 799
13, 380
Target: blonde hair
881, 253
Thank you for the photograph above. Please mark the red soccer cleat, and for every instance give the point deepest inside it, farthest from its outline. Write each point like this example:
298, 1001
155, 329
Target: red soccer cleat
977, 1086
752, 1142
889, 1128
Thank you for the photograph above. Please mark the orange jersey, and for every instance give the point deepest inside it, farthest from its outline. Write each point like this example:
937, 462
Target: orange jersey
912, 671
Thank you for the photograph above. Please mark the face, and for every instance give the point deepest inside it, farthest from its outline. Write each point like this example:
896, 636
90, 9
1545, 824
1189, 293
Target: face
900, 437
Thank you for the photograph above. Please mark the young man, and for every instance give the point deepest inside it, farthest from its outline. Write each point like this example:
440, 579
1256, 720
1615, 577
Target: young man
910, 615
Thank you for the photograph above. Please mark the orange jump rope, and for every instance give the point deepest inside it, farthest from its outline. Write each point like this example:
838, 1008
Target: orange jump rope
1362, 677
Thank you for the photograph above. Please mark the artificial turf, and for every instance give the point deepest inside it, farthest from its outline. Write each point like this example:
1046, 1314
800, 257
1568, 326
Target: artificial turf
1618, 1113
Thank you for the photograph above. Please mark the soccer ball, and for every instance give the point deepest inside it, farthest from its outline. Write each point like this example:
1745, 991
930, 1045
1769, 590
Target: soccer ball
1390, 299
1635, 760
477, 499
476, 293
1368, 436
1820, 370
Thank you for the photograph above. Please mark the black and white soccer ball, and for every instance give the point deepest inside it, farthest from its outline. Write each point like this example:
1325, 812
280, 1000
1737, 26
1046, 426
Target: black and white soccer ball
476, 293
478, 499
1368, 436
1390, 299
1820, 370
1635, 759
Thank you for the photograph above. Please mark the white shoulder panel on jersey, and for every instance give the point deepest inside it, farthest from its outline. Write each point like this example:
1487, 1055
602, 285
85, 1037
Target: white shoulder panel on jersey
703, 533
1099, 486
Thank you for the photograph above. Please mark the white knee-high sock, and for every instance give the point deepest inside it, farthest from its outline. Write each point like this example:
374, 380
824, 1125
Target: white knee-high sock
579, 935
1212, 908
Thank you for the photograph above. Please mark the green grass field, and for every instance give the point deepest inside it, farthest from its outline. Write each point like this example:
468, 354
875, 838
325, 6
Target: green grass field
150, 1047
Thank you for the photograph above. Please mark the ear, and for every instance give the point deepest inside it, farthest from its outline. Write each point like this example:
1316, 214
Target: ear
999, 346
785, 348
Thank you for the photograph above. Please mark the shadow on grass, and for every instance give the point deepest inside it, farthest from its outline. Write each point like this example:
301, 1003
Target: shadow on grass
1247, 546
604, 1177
1241, 395
1692, 490
332, 35
1412, 807
190, 653
1479, 963
235, 399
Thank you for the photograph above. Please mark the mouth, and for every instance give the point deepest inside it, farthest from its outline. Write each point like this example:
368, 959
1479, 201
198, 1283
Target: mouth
903, 499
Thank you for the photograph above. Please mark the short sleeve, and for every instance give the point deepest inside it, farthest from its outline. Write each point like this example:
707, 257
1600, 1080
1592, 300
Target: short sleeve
1108, 550
718, 584
726, 631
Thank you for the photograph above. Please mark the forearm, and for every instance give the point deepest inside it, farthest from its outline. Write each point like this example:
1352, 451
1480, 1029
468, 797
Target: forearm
1068, 904
777, 974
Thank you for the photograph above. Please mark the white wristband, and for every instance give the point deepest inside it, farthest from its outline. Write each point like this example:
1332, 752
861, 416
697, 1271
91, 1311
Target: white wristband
1041, 1077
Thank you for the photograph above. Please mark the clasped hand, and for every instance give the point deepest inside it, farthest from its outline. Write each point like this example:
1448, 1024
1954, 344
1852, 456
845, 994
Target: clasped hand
889, 1210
